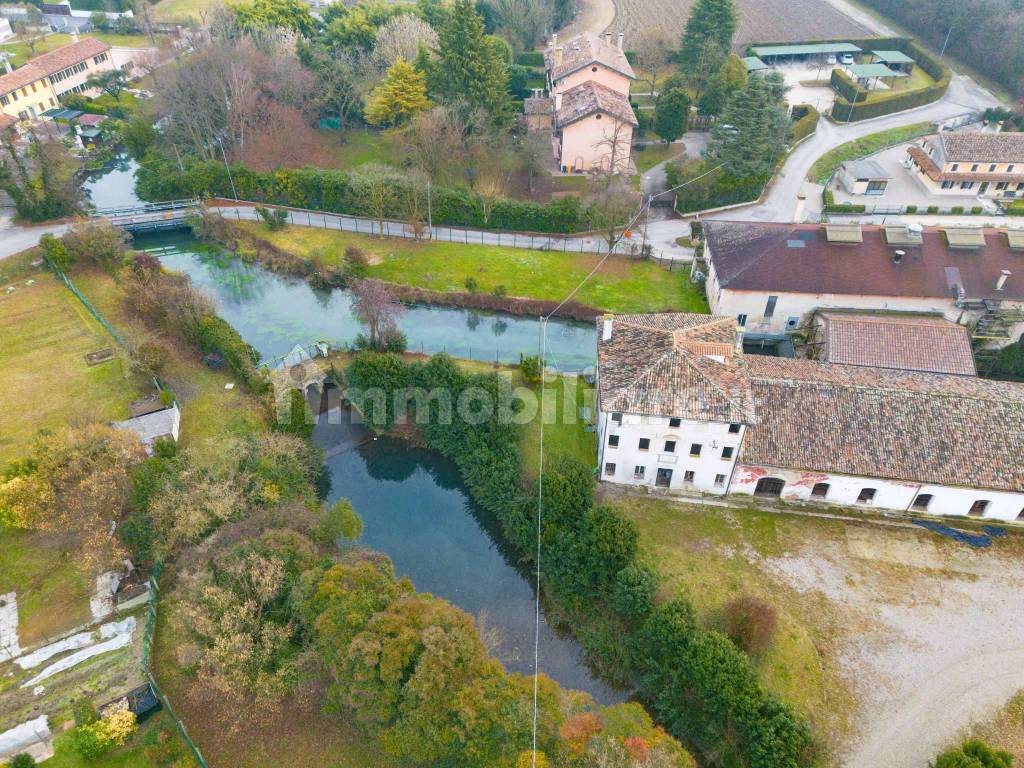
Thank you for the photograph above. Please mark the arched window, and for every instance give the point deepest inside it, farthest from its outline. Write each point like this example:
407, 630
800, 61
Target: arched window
922, 501
978, 508
820, 490
769, 486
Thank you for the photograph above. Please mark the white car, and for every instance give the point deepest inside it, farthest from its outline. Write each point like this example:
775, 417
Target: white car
846, 58
831, 59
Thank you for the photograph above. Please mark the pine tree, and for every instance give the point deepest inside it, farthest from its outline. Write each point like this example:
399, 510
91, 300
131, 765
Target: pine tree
753, 130
468, 68
402, 94
672, 114
713, 20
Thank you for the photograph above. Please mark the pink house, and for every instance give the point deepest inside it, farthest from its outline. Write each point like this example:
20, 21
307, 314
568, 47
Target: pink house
592, 122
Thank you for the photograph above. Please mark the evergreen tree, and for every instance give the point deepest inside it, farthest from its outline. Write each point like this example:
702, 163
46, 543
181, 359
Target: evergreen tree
672, 114
468, 68
753, 131
710, 20
402, 94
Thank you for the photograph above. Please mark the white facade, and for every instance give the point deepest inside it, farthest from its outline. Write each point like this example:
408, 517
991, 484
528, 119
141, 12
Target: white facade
674, 454
868, 492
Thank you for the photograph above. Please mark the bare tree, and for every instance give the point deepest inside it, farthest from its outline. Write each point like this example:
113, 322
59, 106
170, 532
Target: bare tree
490, 187
614, 148
401, 38
522, 20
653, 53
611, 203
377, 190
535, 155
377, 309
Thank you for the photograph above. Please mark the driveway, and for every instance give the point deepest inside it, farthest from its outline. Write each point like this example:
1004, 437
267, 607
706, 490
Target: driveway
964, 95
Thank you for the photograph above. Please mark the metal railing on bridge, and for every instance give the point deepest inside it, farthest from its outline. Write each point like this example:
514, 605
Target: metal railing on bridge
148, 216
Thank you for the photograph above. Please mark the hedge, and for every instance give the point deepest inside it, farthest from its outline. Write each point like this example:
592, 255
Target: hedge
531, 59
1016, 208
345, 192
805, 118
714, 191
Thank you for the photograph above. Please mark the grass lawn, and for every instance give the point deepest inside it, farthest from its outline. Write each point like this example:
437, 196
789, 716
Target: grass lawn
576, 184
350, 149
564, 431
132, 755
185, 10
653, 154
50, 42
827, 164
622, 285
711, 554
45, 382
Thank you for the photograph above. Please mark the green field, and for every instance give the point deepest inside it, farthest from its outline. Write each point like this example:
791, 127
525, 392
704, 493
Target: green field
827, 164
564, 431
45, 382
22, 53
350, 149
621, 285
187, 10
653, 154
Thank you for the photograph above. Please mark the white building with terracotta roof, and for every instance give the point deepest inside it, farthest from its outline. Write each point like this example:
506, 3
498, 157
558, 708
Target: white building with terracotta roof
980, 163
681, 409
592, 121
37, 86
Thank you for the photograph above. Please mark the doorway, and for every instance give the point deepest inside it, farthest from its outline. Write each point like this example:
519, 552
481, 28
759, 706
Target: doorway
770, 487
664, 478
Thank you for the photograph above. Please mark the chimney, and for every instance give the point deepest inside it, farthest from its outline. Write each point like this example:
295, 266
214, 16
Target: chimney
7, 63
621, 35
1002, 279
554, 40
606, 328
897, 256
558, 55
558, 101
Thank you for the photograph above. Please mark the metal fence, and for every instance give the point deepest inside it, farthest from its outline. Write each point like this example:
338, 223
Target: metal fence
86, 303
147, 652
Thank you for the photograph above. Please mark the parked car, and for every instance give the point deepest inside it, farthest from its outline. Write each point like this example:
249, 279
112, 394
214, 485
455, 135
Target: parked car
847, 58
831, 59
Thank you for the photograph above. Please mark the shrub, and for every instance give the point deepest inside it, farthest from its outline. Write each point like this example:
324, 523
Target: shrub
977, 210
84, 712
91, 741
911, 209
471, 285
974, 753
500, 291
530, 367
633, 593
56, 252
356, 262
1016, 208
956, 210
274, 218
933, 209
750, 623
22, 760
806, 117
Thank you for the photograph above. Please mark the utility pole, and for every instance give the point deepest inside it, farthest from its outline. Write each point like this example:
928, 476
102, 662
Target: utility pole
946, 41
227, 167
430, 217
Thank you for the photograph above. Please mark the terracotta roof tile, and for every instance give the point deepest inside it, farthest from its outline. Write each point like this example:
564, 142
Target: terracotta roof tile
797, 258
982, 147
907, 342
933, 172
51, 63
582, 51
587, 98
898, 425
659, 365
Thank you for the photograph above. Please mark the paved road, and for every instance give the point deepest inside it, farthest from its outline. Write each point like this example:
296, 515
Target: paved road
15, 239
964, 95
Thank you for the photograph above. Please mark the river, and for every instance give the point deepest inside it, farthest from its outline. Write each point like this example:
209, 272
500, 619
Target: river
413, 503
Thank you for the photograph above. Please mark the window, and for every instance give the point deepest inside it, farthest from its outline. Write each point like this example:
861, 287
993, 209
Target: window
978, 508
4, 101
1009, 168
741, 320
675, 422
593, 69
974, 168
34, 89
638, 472
613, 441
769, 487
734, 429
769, 309
695, 449
617, 418
922, 501
670, 446
719, 481
966, 184
955, 167
1001, 185
609, 468
820, 491
866, 496
948, 184
727, 452
688, 476
645, 443
991, 169
597, 116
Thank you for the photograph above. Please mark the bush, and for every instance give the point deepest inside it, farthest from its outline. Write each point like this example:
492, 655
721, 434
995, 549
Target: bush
22, 760
356, 262
1016, 208
713, 191
530, 367
933, 209
956, 210
977, 210
750, 623
911, 209
500, 291
633, 593
471, 284
275, 219
974, 753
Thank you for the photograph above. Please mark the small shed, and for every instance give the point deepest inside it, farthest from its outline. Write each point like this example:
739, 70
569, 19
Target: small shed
868, 75
151, 427
754, 64
863, 177
895, 60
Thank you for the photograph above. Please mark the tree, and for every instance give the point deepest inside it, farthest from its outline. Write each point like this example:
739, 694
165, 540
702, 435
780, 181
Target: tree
402, 37
99, 242
32, 29
99, 20
652, 54
753, 130
378, 311
611, 202
343, 79
282, 14
733, 73
41, 180
468, 70
402, 94
672, 114
974, 753
341, 521
111, 81
713, 21
523, 21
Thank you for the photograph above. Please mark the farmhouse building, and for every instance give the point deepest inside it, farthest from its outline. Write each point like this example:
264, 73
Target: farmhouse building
771, 277
592, 122
978, 163
682, 409
37, 86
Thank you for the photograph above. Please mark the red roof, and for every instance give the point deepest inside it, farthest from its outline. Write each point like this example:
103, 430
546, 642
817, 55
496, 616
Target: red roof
797, 258
51, 63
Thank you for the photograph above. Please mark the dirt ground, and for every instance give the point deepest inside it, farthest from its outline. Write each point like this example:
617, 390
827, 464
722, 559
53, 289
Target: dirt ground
932, 634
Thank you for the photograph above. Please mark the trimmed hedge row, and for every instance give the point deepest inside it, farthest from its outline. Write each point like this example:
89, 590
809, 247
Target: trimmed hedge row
714, 191
805, 121
346, 193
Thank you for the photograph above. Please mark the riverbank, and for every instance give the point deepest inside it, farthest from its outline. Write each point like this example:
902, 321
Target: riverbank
506, 279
